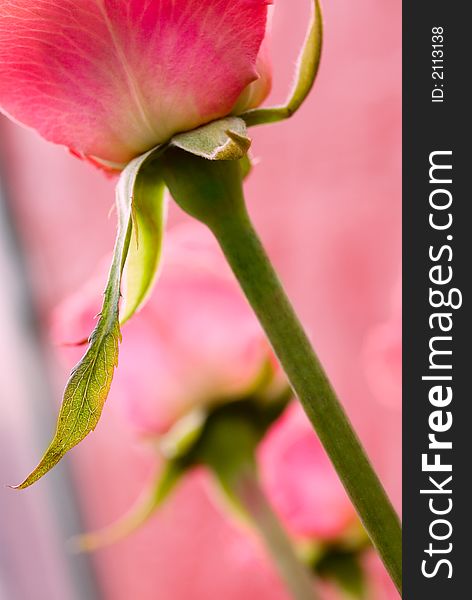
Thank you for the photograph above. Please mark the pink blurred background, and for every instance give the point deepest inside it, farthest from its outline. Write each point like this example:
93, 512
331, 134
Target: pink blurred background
326, 199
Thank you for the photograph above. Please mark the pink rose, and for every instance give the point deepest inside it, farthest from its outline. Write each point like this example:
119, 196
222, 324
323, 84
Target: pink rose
111, 79
195, 342
300, 481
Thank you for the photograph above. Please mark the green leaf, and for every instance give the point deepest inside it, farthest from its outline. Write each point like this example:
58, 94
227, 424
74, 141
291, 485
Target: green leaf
152, 498
225, 139
307, 70
90, 381
145, 248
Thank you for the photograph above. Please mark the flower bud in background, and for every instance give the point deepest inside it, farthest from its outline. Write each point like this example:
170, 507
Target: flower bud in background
113, 79
300, 481
196, 342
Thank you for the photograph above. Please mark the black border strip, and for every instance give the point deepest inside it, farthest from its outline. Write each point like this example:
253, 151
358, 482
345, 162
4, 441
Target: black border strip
436, 127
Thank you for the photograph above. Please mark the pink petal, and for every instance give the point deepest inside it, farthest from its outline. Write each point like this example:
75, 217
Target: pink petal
113, 78
257, 91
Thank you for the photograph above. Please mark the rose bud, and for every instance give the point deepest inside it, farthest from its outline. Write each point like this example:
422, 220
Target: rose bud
112, 79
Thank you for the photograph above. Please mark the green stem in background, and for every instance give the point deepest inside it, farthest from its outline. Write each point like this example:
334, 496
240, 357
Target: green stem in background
212, 192
228, 448
296, 576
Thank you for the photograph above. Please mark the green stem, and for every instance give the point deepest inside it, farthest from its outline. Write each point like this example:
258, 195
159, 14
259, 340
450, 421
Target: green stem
293, 572
254, 271
212, 192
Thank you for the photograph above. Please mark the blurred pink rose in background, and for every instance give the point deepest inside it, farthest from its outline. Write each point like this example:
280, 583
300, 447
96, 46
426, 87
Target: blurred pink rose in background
326, 198
300, 480
196, 342
113, 79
